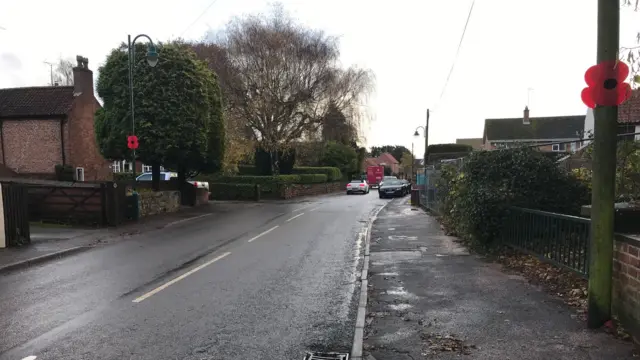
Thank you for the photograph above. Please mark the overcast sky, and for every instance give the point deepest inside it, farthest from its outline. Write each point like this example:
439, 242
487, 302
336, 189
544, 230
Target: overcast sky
510, 46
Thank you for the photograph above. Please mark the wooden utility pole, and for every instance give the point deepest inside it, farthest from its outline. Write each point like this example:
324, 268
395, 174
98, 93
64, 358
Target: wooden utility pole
426, 140
604, 172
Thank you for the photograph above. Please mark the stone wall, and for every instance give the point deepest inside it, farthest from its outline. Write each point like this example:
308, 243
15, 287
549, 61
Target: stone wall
158, 202
626, 283
294, 190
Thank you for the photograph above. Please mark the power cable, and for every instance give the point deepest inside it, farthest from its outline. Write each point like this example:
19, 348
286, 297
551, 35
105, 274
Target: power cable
453, 65
201, 15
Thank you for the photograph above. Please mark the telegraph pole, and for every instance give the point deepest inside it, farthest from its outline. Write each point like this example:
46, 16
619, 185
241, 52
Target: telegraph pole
426, 140
604, 171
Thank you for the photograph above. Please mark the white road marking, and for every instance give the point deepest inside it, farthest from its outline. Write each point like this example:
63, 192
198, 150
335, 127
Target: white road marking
263, 233
302, 208
30, 358
315, 208
295, 217
166, 285
187, 219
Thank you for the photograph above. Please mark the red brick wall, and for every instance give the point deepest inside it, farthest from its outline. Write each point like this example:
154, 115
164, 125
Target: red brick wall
83, 149
295, 190
626, 283
32, 146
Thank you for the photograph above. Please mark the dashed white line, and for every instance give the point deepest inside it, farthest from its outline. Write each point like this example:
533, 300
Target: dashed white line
166, 285
301, 208
30, 358
295, 217
263, 233
315, 208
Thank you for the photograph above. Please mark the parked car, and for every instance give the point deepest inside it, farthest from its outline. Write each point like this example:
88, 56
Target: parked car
407, 186
392, 188
167, 175
357, 186
387, 178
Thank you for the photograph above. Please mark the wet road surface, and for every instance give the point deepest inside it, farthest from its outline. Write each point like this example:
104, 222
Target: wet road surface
267, 280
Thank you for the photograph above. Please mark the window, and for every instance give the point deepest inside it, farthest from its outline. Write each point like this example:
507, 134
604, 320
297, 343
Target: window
146, 168
558, 147
116, 167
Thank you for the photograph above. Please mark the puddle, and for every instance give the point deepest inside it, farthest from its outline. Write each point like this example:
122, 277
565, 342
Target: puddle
400, 292
396, 336
400, 307
402, 237
393, 257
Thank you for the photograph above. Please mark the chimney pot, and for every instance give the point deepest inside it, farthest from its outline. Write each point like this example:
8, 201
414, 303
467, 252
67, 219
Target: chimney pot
525, 118
82, 77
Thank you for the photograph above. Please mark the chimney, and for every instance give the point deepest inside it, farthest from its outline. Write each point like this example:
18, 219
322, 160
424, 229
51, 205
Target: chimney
82, 77
525, 119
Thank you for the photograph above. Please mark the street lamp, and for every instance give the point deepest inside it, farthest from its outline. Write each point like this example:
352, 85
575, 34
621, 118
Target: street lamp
152, 60
425, 129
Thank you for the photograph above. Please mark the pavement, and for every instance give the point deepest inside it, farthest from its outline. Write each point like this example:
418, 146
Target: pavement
429, 298
265, 280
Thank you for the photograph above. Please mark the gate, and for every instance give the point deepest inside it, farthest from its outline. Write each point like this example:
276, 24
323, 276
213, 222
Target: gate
16, 214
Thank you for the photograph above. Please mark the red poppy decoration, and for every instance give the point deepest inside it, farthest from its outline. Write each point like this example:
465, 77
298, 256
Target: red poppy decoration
606, 84
132, 142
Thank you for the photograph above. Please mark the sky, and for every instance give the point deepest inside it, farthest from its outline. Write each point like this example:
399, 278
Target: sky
515, 52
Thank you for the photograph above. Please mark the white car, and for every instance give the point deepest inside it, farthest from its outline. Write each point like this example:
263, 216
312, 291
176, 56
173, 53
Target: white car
166, 175
357, 186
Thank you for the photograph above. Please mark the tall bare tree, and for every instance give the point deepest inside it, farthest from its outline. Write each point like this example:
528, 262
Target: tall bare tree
279, 77
63, 74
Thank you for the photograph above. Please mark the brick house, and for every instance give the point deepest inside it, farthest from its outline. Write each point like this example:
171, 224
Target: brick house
513, 132
41, 127
385, 159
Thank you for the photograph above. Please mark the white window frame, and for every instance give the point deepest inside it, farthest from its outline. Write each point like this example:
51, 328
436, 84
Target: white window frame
146, 168
555, 147
115, 167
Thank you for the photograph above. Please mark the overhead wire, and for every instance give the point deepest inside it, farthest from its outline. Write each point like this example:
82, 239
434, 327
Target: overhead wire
199, 16
455, 59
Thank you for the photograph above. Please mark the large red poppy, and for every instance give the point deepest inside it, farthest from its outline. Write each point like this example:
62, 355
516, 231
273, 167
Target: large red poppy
132, 142
606, 86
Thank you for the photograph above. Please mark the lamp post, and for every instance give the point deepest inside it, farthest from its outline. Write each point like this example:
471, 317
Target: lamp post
152, 60
426, 137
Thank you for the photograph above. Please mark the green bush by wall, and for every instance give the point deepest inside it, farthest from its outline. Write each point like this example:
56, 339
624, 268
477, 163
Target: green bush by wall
333, 173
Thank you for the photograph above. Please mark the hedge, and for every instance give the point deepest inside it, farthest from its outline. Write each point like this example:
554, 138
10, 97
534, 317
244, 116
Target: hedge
123, 176
333, 173
247, 170
218, 191
313, 178
267, 183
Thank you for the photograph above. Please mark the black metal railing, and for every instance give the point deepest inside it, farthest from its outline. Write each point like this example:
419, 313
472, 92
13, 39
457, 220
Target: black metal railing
560, 239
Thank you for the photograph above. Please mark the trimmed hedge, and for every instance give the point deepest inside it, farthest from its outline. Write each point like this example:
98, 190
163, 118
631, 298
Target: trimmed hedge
313, 178
267, 183
247, 170
333, 173
218, 191
123, 176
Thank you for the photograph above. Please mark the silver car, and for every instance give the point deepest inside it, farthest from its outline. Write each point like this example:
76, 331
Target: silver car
357, 186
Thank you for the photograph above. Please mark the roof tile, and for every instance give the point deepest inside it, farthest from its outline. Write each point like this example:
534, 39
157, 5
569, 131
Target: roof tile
35, 101
556, 127
629, 112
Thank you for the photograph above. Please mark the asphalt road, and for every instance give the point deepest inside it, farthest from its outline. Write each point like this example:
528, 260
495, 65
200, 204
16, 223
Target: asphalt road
259, 281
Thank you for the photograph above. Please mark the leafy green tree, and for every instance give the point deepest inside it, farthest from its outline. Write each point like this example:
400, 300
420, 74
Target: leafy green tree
396, 150
341, 156
336, 127
178, 111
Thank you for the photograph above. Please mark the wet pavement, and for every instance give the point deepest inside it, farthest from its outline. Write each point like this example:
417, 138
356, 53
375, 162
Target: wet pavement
270, 281
430, 299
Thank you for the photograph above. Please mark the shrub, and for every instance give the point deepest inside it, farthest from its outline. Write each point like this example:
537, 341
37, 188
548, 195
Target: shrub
313, 178
123, 176
247, 170
475, 199
341, 156
267, 183
286, 160
220, 191
333, 173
